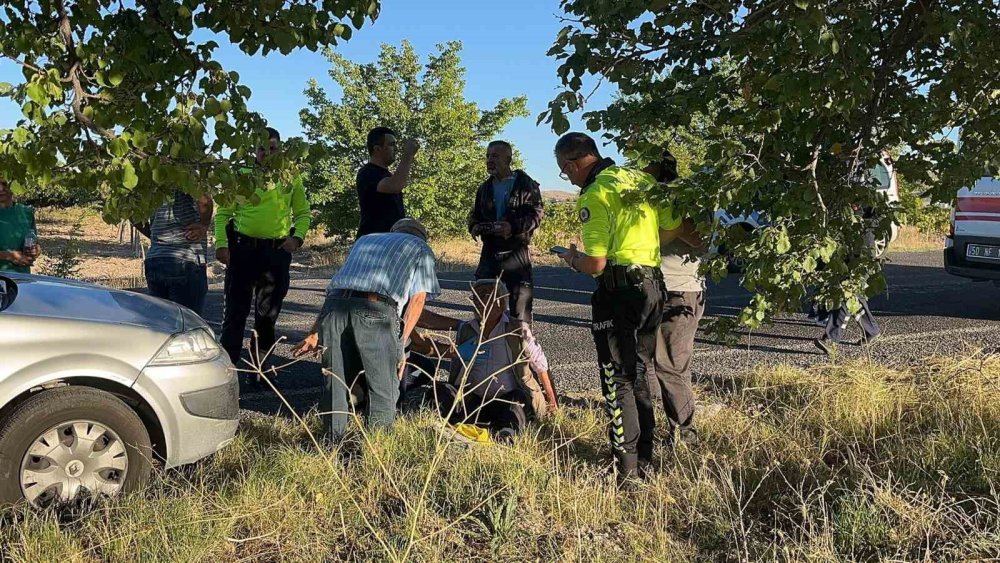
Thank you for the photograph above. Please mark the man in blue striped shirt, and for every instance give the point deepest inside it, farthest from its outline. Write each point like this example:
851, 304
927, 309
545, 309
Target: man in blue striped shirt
176, 262
359, 324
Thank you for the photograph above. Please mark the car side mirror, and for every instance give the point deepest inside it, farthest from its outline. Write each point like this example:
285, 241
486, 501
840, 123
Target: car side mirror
8, 292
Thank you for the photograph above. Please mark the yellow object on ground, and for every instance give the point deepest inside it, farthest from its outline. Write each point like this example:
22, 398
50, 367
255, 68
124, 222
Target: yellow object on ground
474, 433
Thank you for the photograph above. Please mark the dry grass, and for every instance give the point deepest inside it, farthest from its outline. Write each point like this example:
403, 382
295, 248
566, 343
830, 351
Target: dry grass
842, 462
912, 239
107, 251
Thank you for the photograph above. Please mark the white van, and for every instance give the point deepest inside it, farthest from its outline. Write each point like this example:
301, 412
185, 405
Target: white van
972, 249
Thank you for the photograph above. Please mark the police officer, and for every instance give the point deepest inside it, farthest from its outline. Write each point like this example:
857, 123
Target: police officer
621, 239
255, 241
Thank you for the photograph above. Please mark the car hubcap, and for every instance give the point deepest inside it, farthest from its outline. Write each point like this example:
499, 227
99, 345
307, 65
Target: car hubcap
71, 459
880, 247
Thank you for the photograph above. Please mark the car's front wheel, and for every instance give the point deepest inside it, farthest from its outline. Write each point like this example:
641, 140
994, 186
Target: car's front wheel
71, 443
880, 248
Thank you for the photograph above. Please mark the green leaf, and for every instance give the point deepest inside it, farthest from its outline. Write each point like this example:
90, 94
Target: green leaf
783, 245
802, 4
559, 123
118, 147
5, 88
139, 139
853, 305
20, 135
212, 107
116, 77
129, 179
657, 6
809, 264
36, 91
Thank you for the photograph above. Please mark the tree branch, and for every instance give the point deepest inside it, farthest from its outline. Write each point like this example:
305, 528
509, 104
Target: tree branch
811, 168
79, 94
24, 64
902, 39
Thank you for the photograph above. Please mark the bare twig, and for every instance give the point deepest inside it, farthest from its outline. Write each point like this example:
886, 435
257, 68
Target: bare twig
811, 168
26, 65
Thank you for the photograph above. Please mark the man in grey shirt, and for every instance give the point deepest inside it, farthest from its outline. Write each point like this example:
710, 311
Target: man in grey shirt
683, 307
176, 262
682, 310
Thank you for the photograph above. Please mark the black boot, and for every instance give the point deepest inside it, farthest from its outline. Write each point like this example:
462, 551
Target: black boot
627, 466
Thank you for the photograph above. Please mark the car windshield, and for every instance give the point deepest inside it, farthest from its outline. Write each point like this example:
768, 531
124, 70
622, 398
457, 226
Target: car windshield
881, 174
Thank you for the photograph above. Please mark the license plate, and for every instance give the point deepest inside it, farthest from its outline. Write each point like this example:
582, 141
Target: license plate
982, 252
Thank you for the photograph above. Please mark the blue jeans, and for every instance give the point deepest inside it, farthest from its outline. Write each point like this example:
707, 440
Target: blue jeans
361, 335
180, 281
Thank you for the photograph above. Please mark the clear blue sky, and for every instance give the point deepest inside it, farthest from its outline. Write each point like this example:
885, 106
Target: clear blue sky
504, 55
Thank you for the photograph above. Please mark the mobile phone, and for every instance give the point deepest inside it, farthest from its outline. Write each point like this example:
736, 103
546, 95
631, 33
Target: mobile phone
558, 250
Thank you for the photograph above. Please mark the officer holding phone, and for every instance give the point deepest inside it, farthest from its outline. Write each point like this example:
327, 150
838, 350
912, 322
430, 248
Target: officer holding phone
621, 235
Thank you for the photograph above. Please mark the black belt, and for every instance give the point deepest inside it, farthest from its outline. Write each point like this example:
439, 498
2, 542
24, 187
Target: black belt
254, 242
366, 295
620, 277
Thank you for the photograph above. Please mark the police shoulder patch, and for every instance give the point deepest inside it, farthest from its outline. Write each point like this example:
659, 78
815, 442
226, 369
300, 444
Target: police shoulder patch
584, 214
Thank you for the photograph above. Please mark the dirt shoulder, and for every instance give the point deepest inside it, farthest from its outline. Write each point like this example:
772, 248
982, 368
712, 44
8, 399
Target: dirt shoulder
78, 239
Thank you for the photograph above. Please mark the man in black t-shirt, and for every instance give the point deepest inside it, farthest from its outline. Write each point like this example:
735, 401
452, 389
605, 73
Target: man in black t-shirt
380, 192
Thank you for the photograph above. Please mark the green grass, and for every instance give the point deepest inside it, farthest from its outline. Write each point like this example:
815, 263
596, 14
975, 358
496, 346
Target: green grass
841, 462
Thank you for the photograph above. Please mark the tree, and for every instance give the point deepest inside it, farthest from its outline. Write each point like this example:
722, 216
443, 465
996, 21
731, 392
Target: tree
126, 102
422, 101
804, 96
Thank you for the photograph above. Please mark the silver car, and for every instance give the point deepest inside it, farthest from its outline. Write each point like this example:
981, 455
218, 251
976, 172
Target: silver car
97, 385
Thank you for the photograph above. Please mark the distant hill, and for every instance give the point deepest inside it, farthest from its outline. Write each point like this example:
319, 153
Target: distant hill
558, 196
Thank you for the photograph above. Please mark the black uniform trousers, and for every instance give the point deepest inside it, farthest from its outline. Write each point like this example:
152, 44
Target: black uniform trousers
513, 267
626, 325
257, 277
838, 320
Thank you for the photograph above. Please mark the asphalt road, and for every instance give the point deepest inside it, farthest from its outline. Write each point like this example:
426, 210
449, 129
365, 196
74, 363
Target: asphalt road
925, 312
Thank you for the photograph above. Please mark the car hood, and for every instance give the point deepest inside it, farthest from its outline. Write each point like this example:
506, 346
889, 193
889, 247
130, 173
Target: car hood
42, 296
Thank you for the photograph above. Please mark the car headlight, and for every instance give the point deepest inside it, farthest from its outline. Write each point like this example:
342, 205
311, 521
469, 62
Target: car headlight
188, 348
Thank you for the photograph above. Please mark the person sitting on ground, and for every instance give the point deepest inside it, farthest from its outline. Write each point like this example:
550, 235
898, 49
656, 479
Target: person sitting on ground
502, 377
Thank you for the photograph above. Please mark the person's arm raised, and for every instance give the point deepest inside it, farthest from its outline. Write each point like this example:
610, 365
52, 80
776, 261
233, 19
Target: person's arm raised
397, 182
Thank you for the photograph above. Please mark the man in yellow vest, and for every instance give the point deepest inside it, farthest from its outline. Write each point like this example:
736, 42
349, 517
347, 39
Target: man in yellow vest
255, 242
621, 233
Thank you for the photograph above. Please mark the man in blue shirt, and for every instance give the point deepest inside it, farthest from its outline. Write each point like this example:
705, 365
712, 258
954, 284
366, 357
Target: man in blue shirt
176, 263
359, 324
507, 212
